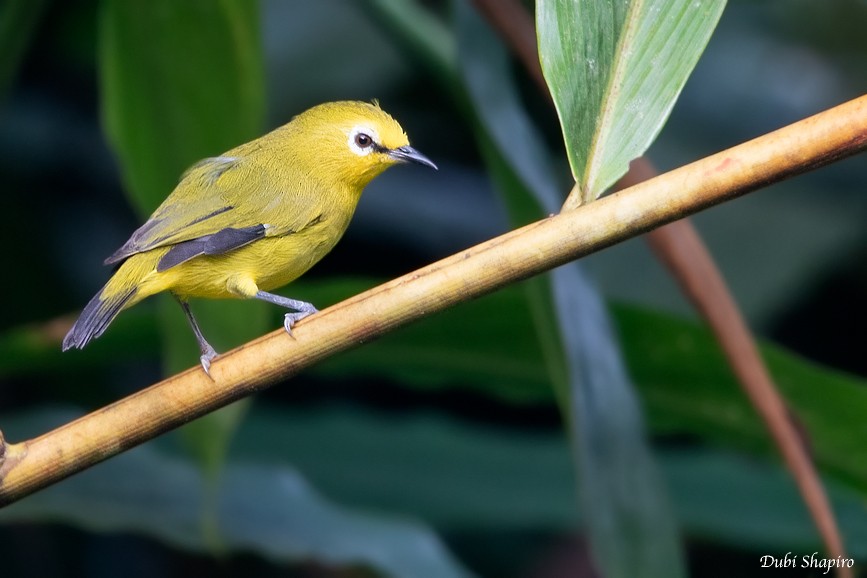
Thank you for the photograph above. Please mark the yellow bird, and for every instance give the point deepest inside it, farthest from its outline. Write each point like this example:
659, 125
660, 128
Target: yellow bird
254, 218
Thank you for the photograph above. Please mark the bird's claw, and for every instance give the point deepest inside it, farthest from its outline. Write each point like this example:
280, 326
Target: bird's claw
292, 318
208, 355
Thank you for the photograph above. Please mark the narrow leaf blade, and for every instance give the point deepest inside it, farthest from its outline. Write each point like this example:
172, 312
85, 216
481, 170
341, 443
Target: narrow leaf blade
629, 519
615, 70
633, 531
270, 510
182, 81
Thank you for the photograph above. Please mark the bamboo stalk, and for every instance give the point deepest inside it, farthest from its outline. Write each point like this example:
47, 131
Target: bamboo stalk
533, 249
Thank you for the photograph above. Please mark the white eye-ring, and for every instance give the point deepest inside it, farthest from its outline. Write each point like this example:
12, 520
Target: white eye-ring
362, 140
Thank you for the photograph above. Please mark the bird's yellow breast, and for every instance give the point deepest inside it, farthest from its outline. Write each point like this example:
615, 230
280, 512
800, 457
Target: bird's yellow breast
270, 262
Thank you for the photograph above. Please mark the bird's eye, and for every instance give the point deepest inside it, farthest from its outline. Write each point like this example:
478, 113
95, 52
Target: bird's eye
363, 141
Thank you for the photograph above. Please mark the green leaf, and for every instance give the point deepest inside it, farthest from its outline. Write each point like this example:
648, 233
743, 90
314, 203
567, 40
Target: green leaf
685, 383
464, 476
270, 510
688, 387
615, 70
518, 165
630, 522
182, 81
632, 528
756, 505
502, 123
456, 475
494, 350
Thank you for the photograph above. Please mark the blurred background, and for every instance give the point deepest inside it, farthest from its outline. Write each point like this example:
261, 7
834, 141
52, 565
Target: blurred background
383, 459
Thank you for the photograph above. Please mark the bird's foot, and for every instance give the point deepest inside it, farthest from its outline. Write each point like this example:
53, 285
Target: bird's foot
292, 318
302, 308
208, 355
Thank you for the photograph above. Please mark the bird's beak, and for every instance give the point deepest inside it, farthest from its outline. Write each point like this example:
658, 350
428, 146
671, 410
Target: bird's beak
408, 154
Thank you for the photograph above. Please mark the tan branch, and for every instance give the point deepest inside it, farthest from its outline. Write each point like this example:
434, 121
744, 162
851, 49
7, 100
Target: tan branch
538, 247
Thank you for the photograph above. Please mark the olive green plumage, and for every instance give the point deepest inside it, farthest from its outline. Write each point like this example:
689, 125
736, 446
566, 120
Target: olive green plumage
254, 218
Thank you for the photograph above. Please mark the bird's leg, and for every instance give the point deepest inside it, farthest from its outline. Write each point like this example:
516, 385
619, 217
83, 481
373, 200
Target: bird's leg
302, 308
208, 352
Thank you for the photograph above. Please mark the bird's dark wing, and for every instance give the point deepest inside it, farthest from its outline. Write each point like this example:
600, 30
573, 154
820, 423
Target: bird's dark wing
219, 205
197, 207
220, 242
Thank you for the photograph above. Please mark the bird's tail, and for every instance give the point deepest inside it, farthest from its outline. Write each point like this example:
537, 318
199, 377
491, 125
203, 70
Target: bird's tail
97, 315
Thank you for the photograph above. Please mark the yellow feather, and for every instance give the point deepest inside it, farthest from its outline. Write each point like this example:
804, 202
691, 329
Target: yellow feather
256, 217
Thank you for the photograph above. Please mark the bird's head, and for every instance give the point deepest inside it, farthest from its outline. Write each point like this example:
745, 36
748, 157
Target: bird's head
354, 141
